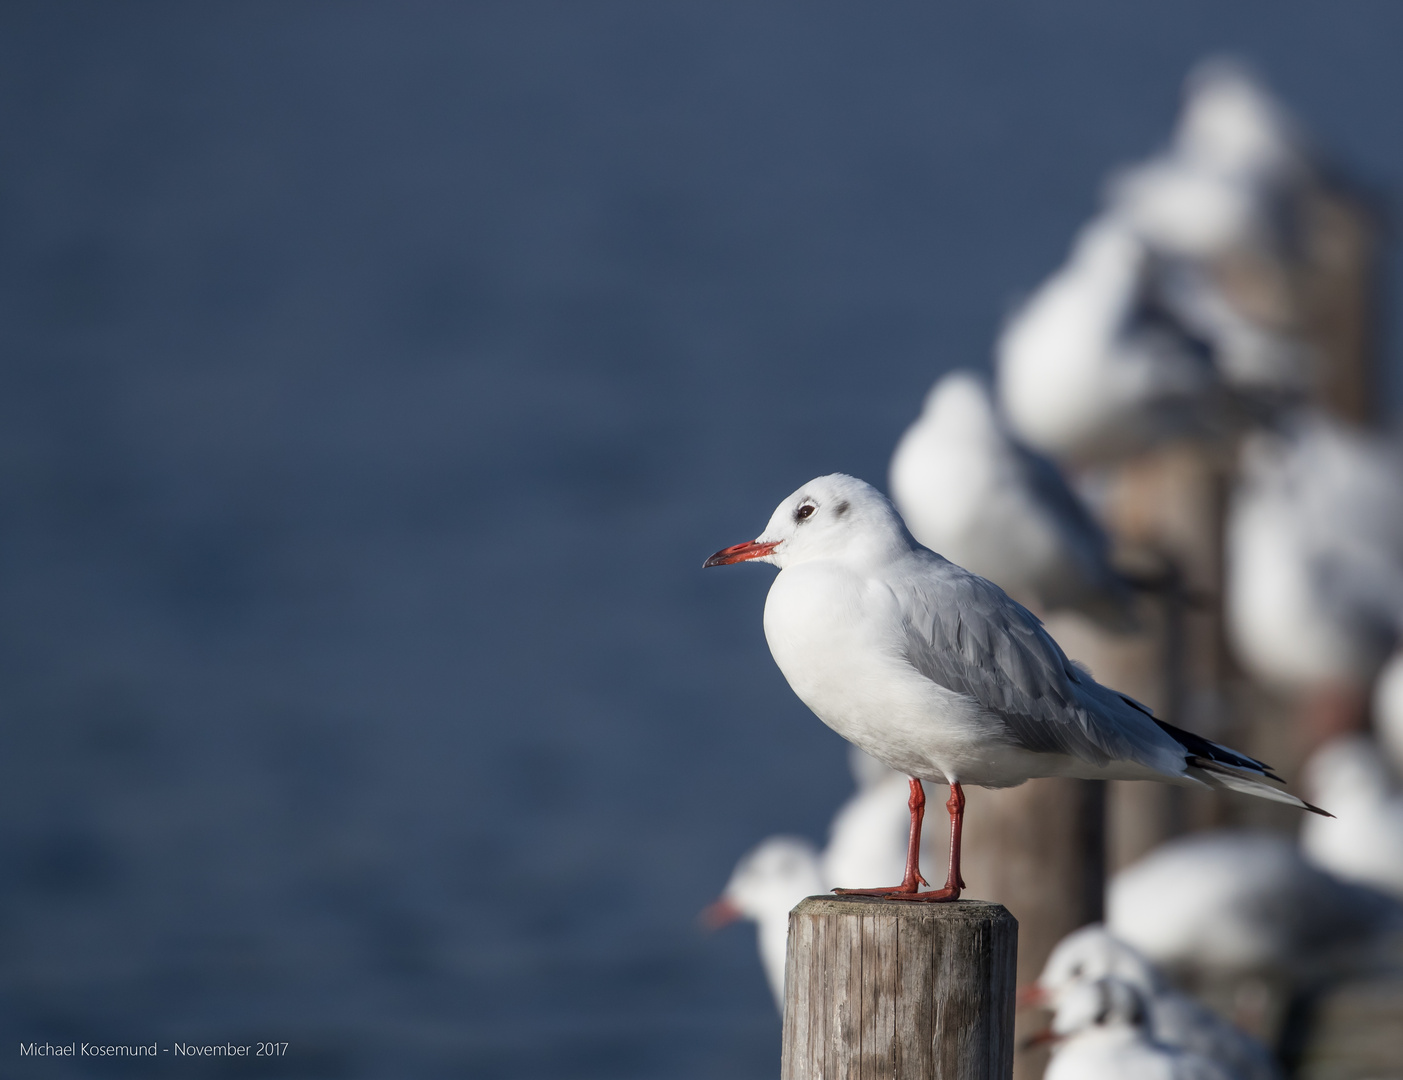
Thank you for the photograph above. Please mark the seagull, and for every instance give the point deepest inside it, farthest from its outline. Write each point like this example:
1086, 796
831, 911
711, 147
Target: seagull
1388, 710
866, 837
1092, 368
1366, 843
766, 883
1228, 181
1314, 553
1228, 904
938, 674
1101, 1032
969, 490
1174, 1019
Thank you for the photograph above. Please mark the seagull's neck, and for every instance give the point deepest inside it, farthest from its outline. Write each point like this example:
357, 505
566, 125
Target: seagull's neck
874, 555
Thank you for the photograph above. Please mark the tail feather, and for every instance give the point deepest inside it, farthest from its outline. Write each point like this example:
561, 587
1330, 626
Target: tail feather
1200, 747
1222, 776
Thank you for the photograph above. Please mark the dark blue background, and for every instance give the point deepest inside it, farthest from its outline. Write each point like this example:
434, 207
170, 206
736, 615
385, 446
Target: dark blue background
374, 379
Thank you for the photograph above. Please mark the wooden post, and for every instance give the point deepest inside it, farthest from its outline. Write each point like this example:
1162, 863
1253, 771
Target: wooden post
899, 990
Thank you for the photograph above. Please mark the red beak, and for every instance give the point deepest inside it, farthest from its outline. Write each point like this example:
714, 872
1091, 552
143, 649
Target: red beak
719, 913
1031, 995
751, 549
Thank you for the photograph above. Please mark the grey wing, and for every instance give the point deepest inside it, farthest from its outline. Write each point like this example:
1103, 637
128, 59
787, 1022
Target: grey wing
964, 633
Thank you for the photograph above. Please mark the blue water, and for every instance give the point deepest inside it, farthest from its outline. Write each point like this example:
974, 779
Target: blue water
374, 379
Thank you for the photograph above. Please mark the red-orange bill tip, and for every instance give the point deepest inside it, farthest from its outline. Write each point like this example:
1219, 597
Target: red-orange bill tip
751, 549
719, 913
1031, 995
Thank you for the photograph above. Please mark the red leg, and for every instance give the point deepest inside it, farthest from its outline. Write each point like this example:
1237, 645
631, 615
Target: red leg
953, 882
913, 880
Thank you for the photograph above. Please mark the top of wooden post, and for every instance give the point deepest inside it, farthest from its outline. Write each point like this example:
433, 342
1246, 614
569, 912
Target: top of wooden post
946, 911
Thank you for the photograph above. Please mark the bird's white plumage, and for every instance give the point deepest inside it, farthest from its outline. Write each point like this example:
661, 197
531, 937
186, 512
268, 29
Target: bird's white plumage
969, 491
937, 673
1174, 1019
1082, 373
1230, 903
1388, 710
1364, 840
766, 883
867, 837
866, 842
1235, 158
1314, 550
1105, 1035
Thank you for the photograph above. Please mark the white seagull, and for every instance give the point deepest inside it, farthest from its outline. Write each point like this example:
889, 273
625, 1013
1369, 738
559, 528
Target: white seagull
970, 491
865, 839
1101, 1032
1365, 844
937, 673
1315, 554
1225, 904
767, 882
1092, 367
1388, 711
1174, 1019
1228, 181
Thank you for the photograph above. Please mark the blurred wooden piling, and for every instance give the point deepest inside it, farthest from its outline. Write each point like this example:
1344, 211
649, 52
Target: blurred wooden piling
899, 991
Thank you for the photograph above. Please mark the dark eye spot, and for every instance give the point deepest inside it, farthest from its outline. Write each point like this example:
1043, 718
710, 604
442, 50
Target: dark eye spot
804, 512
841, 508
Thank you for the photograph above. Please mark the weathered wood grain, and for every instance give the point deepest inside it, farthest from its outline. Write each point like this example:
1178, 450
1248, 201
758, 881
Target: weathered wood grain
886, 990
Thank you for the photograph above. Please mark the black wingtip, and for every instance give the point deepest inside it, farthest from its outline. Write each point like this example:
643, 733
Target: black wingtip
1316, 810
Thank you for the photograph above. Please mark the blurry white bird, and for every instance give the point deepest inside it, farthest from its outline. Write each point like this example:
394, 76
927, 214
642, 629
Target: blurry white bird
1101, 1032
1365, 842
1221, 207
1314, 554
867, 839
868, 835
1227, 904
1226, 181
1091, 368
972, 493
1388, 711
936, 672
767, 882
1174, 1019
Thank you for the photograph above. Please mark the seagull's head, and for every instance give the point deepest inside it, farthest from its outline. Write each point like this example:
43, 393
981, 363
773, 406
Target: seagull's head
1104, 1003
1085, 956
768, 881
834, 516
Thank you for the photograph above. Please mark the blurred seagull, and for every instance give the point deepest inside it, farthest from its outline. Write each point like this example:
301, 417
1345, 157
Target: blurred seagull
866, 838
1102, 1032
1365, 844
1174, 1019
937, 673
1226, 181
766, 883
1092, 367
1231, 903
1314, 554
1221, 210
968, 490
1388, 711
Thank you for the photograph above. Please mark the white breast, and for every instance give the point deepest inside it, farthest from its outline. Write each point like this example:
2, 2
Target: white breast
835, 636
